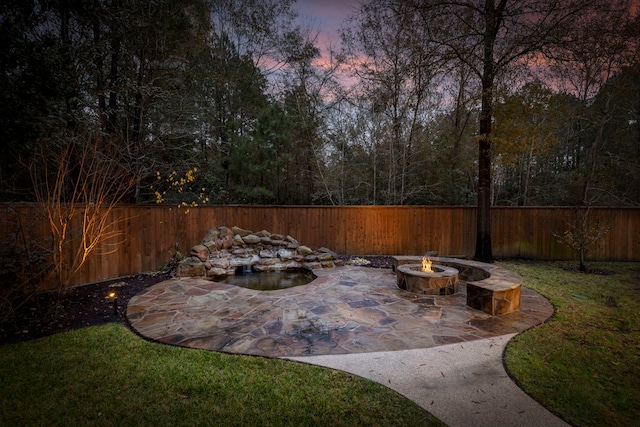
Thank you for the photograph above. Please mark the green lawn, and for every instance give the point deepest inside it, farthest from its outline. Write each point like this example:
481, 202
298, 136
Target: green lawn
109, 376
584, 364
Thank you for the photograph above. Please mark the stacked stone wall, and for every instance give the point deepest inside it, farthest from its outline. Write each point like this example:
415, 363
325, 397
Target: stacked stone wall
223, 251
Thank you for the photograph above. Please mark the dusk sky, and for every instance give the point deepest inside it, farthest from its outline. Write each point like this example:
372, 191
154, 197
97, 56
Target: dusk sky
327, 16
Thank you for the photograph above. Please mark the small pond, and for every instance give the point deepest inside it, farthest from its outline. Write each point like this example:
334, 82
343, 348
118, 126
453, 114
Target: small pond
269, 280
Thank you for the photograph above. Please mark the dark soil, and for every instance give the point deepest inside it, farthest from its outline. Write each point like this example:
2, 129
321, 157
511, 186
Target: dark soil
89, 305
86, 305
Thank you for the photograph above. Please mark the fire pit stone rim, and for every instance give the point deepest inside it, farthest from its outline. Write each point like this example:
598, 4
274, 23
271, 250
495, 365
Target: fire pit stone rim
416, 270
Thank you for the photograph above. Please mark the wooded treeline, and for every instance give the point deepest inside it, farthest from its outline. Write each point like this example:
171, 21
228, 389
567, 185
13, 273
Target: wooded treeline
231, 101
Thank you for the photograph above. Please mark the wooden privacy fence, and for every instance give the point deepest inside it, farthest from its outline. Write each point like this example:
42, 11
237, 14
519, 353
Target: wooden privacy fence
150, 235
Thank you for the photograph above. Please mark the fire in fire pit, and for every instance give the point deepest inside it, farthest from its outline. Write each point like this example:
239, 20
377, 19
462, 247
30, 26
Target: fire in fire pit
426, 265
427, 279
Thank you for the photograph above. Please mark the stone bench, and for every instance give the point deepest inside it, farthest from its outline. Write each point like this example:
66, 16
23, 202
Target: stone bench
490, 288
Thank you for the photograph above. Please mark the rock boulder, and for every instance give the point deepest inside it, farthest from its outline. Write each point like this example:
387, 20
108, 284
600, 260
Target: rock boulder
224, 250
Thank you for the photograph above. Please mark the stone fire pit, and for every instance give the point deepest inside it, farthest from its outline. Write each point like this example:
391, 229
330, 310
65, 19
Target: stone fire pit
441, 281
489, 287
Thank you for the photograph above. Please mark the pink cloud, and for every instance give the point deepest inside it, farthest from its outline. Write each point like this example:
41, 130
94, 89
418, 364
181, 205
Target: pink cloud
326, 17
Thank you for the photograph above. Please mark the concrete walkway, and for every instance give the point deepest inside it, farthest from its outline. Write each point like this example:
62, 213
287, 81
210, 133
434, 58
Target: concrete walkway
462, 384
434, 350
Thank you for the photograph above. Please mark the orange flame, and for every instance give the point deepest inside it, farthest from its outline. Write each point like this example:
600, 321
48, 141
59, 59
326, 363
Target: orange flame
426, 265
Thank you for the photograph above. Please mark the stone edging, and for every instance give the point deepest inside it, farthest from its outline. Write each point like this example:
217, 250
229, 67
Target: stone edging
490, 288
223, 250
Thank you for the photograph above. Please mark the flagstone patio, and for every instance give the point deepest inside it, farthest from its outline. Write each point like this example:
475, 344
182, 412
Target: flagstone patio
345, 310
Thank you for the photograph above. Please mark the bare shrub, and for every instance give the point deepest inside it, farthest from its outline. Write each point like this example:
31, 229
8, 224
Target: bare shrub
582, 233
77, 185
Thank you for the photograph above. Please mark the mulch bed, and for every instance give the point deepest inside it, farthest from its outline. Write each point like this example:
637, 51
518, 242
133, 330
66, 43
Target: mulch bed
89, 305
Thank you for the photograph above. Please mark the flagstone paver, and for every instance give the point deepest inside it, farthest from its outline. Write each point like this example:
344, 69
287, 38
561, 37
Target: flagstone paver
346, 310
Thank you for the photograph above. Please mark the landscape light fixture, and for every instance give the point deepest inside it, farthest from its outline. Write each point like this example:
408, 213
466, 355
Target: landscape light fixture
113, 296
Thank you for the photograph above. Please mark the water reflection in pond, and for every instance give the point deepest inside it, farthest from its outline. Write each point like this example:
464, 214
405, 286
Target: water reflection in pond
269, 280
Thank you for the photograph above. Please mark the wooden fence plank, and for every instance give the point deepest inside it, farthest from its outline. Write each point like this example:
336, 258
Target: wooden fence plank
149, 234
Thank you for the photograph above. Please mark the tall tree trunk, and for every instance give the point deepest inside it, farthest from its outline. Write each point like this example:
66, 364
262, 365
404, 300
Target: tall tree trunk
483, 237
493, 17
